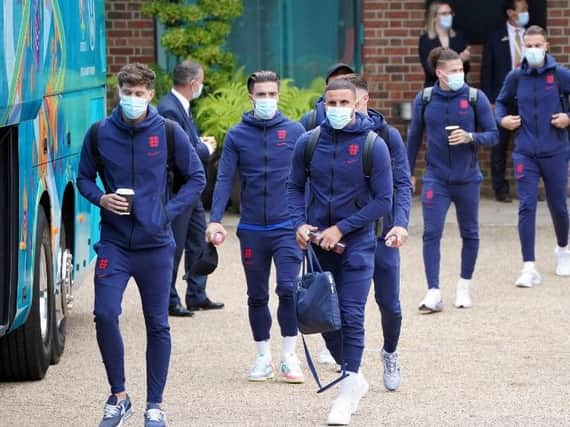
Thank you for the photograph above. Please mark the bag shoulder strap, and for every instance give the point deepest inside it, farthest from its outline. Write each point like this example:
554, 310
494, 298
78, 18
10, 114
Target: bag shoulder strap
426, 98
170, 143
94, 147
473, 96
312, 119
563, 98
310, 148
367, 155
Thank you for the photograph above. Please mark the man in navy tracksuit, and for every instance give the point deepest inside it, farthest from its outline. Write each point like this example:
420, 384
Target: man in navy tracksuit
538, 91
260, 148
315, 117
132, 154
393, 235
344, 204
452, 170
189, 227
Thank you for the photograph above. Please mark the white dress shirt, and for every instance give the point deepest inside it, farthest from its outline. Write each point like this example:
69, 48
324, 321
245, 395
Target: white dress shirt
512, 31
185, 103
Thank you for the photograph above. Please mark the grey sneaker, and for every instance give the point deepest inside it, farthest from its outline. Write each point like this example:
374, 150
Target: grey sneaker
392, 376
154, 416
116, 412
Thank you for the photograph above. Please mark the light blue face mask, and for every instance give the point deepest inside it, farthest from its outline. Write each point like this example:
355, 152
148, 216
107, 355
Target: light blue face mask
455, 81
265, 108
534, 56
339, 117
132, 106
522, 19
446, 21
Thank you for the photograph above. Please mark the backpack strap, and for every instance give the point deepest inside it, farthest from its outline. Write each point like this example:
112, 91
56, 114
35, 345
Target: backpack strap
312, 119
310, 148
367, 154
95, 154
473, 95
426, 98
170, 159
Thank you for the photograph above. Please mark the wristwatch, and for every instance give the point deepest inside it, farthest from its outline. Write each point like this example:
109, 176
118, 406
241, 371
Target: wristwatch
470, 135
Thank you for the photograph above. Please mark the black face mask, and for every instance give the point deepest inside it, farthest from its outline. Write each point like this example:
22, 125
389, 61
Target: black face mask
207, 262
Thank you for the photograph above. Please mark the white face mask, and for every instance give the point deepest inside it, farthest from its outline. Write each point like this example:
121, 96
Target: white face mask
339, 117
198, 93
265, 108
534, 56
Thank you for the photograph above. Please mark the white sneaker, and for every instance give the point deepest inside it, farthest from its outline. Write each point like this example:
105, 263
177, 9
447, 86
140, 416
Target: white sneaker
352, 389
562, 261
262, 369
290, 368
432, 303
529, 277
462, 298
391, 376
325, 357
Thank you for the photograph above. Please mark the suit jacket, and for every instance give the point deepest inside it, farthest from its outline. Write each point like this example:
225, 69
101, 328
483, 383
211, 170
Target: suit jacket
496, 63
171, 108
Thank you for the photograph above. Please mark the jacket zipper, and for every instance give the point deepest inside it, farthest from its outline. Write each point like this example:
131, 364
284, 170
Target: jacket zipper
132, 133
265, 175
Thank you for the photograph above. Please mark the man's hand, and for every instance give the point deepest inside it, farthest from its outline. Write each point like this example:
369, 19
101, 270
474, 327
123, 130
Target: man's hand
511, 122
210, 142
466, 54
213, 229
114, 203
560, 120
399, 236
302, 235
329, 238
459, 136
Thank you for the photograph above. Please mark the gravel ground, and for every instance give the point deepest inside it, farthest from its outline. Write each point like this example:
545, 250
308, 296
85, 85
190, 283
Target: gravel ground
503, 362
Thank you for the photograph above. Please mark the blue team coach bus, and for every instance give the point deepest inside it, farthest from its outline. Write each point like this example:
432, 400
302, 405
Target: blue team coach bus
52, 87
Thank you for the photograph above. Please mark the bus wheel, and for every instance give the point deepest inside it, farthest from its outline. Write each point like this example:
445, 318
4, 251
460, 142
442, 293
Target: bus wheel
61, 296
28, 348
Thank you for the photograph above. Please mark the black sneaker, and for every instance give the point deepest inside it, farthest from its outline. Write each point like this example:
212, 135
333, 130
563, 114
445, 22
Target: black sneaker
116, 412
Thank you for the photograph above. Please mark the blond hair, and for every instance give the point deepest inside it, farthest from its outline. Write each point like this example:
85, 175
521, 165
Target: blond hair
431, 13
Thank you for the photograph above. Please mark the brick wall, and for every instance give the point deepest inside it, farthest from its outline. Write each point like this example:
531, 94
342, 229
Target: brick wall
392, 67
130, 36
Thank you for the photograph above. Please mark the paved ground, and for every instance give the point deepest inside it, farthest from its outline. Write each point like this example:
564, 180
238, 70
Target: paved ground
504, 362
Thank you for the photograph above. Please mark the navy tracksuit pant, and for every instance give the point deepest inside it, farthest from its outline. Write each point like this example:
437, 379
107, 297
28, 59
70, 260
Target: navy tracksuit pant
387, 292
151, 269
352, 272
554, 173
189, 229
436, 198
258, 249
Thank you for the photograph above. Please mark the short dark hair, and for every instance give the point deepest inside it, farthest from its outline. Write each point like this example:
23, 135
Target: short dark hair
136, 74
185, 72
261, 77
535, 30
510, 5
341, 84
439, 55
357, 80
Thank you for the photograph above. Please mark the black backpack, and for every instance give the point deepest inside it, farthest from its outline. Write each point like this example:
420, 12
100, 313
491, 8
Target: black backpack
426, 98
312, 119
174, 179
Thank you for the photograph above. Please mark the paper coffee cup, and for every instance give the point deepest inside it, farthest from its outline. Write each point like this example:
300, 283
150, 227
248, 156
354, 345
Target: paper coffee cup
128, 194
450, 129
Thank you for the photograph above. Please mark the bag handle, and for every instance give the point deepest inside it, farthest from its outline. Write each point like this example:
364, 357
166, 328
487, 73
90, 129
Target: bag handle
312, 260
313, 370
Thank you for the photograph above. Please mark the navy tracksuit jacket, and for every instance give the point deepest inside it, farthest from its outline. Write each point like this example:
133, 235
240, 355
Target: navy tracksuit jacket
341, 195
541, 150
140, 244
261, 151
320, 115
387, 260
452, 171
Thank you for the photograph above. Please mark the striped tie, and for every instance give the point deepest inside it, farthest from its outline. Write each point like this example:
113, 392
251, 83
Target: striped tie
518, 49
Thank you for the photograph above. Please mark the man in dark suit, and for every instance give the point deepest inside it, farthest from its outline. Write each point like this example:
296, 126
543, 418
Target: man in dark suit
189, 227
502, 53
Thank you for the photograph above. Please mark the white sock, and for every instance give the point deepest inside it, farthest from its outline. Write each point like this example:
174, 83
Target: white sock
528, 265
263, 348
463, 283
289, 344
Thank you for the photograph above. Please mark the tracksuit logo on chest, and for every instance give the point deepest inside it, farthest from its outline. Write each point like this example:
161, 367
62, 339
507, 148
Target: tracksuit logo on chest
281, 135
153, 143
